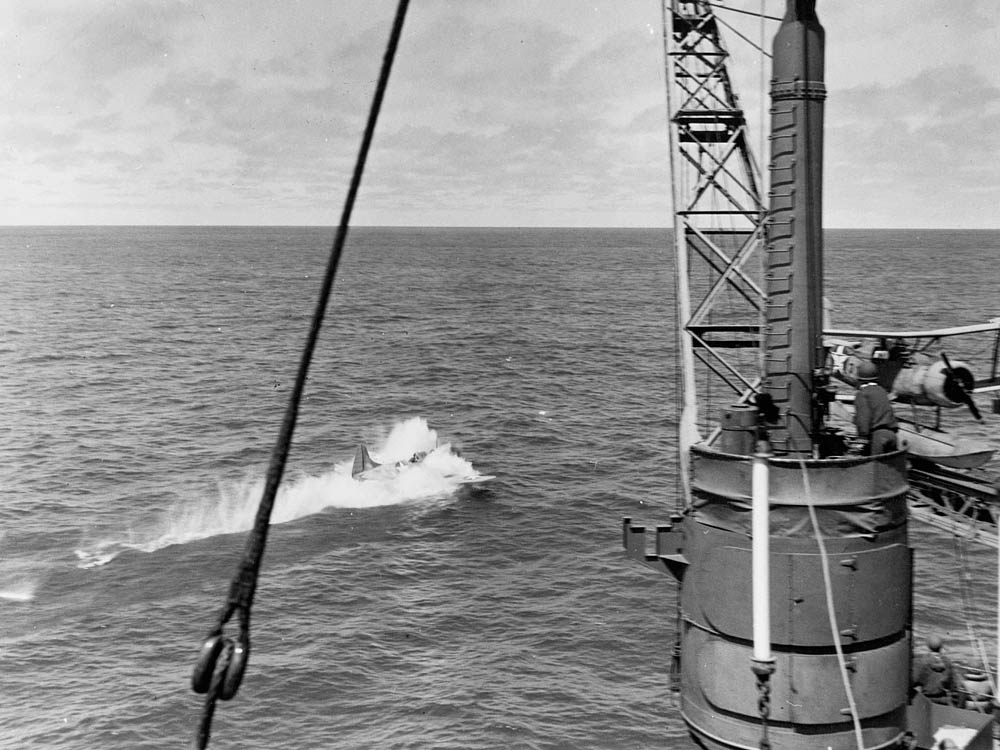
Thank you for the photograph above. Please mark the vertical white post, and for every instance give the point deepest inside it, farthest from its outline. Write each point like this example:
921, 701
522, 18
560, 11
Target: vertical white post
760, 555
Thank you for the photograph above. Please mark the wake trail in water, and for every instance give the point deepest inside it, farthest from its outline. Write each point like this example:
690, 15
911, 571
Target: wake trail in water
438, 475
18, 585
20, 577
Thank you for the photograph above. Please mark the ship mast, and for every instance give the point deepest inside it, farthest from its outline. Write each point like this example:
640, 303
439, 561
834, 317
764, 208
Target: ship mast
792, 557
793, 621
794, 358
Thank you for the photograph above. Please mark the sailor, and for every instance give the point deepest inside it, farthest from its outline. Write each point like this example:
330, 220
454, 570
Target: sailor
873, 415
934, 674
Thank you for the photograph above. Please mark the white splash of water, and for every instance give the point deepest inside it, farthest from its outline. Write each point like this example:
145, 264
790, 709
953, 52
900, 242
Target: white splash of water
19, 577
18, 590
439, 474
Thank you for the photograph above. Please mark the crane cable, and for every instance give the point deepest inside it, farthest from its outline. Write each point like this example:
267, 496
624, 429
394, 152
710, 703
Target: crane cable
223, 659
831, 608
966, 588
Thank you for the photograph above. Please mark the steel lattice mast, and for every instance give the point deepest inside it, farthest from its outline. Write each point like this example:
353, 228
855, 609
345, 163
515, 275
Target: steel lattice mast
718, 224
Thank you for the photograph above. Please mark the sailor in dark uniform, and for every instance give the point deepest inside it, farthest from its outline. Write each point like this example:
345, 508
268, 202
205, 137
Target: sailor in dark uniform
934, 674
873, 415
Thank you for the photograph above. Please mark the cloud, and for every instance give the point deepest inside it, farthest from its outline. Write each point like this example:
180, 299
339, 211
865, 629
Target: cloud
551, 123
924, 143
513, 112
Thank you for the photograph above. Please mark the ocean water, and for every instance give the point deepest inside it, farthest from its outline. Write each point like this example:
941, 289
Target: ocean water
145, 372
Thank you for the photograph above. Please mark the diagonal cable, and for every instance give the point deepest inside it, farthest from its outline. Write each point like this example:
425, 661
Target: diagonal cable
220, 667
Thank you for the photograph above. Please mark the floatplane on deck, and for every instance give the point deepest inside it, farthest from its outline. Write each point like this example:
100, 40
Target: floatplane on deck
790, 548
925, 382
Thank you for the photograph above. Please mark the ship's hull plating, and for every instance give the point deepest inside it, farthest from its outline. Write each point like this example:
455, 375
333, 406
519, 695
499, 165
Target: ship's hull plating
860, 508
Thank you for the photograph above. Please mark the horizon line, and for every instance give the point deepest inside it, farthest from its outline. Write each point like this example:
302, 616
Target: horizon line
468, 226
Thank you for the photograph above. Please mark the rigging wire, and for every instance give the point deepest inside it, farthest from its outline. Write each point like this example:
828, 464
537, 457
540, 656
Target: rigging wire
831, 612
223, 660
763, 175
678, 177
762, 156
966, 587
744, 37
761, 14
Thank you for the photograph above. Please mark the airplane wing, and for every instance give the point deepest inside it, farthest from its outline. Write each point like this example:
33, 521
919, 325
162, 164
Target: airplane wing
937, 333
840, 340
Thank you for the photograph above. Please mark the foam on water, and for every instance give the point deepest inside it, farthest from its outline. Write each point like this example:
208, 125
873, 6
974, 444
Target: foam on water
438, 475
18, 587
20, 577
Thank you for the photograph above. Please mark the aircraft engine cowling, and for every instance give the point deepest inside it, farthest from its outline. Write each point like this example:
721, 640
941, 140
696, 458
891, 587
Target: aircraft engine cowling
934, 384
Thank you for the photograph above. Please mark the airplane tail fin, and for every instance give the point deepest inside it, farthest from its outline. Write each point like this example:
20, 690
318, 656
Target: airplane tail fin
362, 461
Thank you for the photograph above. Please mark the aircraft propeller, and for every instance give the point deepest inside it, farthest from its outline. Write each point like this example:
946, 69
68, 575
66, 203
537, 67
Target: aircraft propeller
965, 396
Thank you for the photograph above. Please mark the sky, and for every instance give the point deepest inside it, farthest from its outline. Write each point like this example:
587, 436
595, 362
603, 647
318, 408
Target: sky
498, 113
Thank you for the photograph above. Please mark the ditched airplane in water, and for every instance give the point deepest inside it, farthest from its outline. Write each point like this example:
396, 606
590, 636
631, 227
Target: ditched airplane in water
365, 468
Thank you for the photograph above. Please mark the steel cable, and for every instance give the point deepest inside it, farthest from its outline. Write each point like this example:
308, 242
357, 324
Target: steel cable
831, 610
221, 677
966, 587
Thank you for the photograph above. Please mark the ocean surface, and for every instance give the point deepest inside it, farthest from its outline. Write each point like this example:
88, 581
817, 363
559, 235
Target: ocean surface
145, 372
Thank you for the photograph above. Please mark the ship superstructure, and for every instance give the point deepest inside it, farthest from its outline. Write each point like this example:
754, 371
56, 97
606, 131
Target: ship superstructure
790, 550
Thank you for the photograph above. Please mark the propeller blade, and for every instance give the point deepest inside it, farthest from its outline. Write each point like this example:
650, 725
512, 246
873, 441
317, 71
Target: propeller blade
947, 365
972, 407
967, 397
